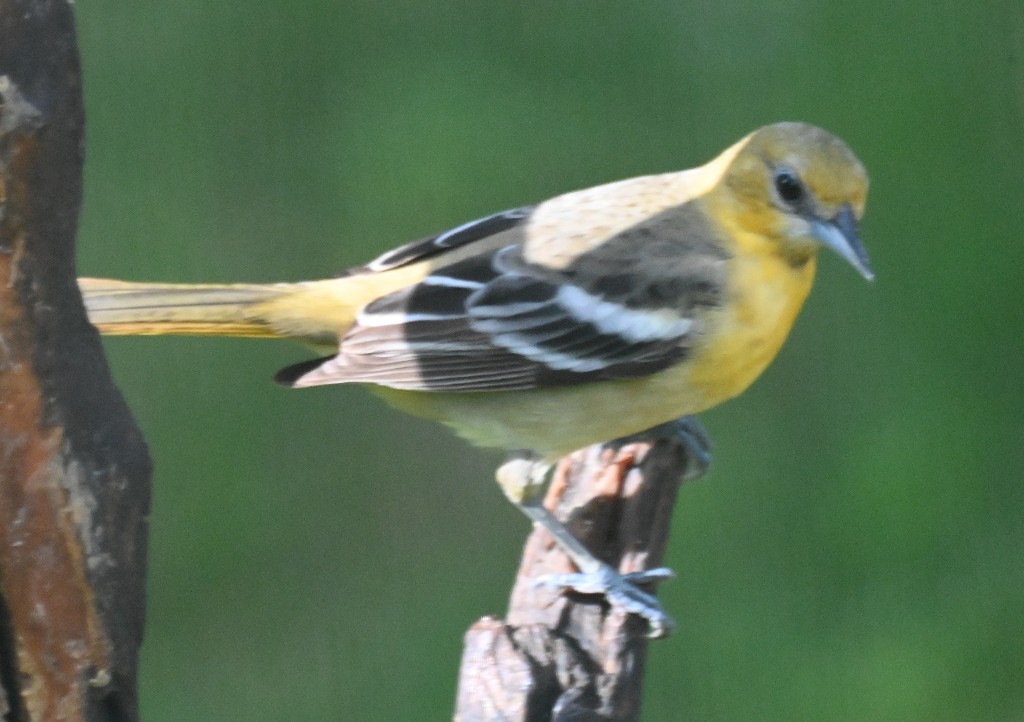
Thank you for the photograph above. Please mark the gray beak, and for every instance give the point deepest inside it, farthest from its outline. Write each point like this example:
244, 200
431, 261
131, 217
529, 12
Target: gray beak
840, 234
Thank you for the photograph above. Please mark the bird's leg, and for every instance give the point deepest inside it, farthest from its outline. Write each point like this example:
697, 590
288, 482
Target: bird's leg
523, 481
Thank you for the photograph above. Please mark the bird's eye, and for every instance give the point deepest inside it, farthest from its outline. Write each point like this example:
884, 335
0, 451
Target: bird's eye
788, 186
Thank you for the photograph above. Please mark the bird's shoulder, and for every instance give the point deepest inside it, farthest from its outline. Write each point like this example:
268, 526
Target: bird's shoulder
555, 230
567, 226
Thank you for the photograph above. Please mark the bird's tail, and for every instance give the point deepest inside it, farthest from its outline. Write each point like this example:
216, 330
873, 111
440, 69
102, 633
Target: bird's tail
315, 312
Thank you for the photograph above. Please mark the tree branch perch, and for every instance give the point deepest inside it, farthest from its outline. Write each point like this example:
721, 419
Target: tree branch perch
568, 656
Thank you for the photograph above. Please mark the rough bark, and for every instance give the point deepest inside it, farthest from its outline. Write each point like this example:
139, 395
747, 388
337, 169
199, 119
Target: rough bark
74, 471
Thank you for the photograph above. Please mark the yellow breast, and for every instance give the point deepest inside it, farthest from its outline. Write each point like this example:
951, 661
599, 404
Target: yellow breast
763, 297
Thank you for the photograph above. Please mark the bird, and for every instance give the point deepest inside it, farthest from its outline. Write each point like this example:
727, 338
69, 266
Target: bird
592, 316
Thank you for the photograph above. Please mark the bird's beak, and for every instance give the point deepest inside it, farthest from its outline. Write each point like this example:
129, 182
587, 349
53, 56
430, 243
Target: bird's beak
840, 234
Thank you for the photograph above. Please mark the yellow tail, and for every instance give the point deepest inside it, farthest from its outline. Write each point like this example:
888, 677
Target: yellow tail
315, 312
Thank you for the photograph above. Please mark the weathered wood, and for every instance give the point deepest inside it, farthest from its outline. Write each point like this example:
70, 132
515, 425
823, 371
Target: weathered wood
74, 471
562, 656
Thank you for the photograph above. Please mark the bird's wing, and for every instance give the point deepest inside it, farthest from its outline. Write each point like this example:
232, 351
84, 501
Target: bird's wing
494, 321
424, 248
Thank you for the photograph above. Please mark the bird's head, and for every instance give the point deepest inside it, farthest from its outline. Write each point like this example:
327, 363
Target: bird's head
802, 187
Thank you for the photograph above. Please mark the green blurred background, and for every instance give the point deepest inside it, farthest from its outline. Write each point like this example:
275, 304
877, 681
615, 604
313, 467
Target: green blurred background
857, 551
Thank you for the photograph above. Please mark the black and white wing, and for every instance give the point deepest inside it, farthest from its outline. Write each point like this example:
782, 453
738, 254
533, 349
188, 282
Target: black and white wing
457, 237
496, 322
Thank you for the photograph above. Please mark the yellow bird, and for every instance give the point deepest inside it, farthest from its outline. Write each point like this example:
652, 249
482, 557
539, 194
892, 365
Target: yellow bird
590, 316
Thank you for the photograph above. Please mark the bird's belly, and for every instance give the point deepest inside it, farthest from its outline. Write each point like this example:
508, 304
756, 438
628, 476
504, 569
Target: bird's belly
554, 422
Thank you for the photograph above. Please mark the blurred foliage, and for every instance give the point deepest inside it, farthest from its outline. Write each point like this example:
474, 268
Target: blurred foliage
855, 553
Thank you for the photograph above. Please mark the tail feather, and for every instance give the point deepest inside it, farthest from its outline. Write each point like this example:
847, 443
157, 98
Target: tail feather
314, 312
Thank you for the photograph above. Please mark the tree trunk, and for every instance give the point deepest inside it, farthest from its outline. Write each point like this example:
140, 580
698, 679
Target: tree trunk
74, 471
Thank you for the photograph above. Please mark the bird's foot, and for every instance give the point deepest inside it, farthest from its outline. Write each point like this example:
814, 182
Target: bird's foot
686, 430
522, 480
621, 591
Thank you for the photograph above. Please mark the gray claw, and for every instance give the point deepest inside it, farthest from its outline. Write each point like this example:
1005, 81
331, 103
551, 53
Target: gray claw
621, 591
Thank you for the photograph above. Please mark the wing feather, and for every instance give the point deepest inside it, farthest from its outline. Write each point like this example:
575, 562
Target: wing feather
495, 321
454, 238
454, 332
